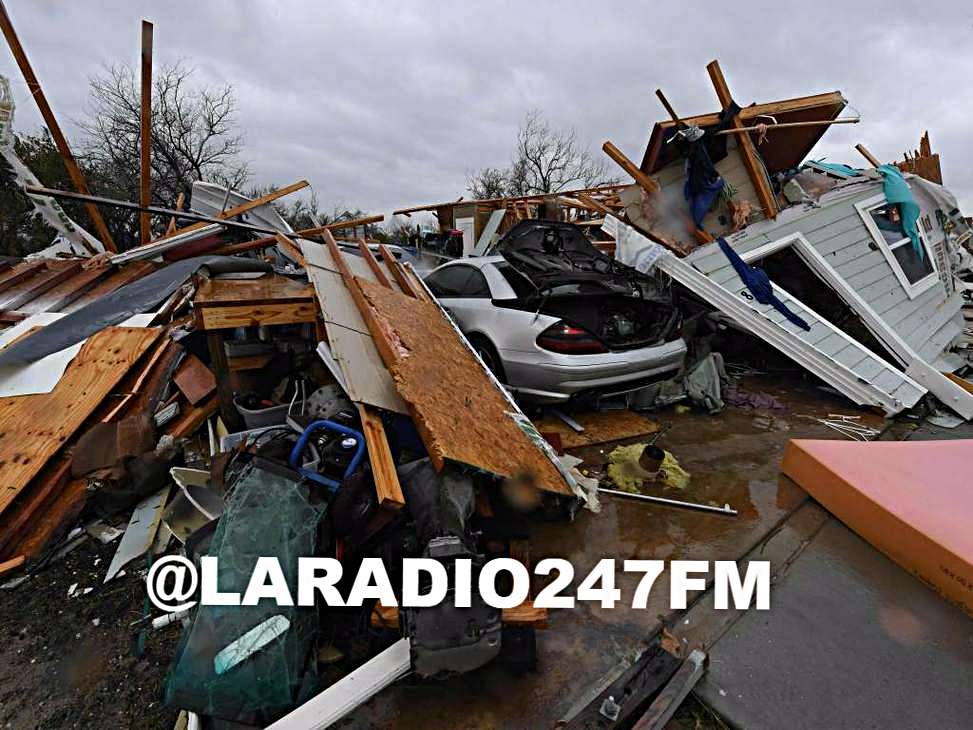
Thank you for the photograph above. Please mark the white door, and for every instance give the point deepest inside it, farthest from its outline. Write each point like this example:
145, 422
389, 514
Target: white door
466, 225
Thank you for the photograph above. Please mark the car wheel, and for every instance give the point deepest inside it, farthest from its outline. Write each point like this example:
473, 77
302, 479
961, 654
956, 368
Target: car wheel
488, 354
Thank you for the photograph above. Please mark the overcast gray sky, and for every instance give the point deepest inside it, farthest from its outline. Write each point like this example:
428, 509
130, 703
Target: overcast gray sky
383, 105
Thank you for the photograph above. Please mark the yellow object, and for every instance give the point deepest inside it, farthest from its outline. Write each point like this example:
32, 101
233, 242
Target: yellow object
629, 475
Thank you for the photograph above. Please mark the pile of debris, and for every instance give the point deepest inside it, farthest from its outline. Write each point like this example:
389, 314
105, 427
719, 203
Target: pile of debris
242, 389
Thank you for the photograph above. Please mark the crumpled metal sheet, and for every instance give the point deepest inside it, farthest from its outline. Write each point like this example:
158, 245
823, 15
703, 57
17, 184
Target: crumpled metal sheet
119, 305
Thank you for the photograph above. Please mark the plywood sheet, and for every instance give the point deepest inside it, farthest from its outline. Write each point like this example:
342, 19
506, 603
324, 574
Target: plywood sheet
911, 500
460, 412
599, 427
34, 427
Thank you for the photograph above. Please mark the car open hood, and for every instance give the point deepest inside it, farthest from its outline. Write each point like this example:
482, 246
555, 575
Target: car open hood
551, 254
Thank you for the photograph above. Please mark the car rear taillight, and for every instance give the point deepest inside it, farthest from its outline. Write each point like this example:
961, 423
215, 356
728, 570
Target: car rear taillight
569, 340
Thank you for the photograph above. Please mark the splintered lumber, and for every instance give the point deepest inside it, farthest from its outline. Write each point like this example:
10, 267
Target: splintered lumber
145, 135
644, 181
459, 411
751, 160
387, 487
35, 90
366, 253
34, 427
194, 379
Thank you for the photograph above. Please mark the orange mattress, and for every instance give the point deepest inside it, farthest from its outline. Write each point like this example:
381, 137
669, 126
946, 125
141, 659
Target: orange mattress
911, 500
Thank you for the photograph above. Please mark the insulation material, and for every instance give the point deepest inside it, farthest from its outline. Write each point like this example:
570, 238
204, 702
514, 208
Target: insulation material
461, 413
911, 500
631, 468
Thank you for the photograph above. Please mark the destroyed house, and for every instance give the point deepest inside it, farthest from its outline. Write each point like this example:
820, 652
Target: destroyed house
866, 306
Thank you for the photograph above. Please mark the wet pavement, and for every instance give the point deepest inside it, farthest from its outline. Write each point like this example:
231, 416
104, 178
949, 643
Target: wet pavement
733, 458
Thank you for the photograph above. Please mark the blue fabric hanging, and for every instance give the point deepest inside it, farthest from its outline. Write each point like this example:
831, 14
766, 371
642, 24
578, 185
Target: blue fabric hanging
759, 285
897, 191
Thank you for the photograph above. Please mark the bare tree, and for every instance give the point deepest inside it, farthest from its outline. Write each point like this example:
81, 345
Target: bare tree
490, 182
193, 134
546, 160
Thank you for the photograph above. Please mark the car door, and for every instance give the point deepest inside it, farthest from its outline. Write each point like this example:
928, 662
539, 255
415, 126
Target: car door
463, 292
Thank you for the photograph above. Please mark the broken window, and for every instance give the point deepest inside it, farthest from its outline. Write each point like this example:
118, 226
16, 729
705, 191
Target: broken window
910, 267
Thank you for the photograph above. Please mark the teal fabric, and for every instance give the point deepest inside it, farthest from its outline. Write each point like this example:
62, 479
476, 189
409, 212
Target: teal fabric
897, 191
839, 167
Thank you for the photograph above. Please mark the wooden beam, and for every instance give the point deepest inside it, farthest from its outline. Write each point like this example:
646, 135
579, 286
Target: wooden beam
366, 253
387, 487
594, 204
145, 133
526, 614
667, 105
290, 249
404, 284
34, 87
872, 159
751, 160
180, 201
646, 182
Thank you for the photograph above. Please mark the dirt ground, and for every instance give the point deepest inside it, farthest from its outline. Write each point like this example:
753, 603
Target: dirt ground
67, 662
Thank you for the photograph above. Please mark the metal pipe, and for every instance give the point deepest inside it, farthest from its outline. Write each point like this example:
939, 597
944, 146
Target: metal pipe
724, 510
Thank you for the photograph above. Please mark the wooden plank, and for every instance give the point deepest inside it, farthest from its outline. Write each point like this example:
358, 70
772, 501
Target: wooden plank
60, 296
41, 284
387, 487
35, 90
647, 183
194, 379
290, 250
145, 135
461, 413
248, 362
24, 270
396, 268
121, 276
366, 253
526, 615
750, 157
599, 427
192, 418
8, 565
872, 159
20, 513
257, 315
34, 427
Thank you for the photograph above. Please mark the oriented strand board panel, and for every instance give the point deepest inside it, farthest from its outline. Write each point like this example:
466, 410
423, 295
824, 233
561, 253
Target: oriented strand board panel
461, 414
599, 427
34, 427
911, 500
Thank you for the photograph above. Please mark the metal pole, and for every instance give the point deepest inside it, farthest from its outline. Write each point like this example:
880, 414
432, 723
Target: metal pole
724, 510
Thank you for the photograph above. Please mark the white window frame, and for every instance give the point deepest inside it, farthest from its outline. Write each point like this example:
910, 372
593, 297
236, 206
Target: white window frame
912, 290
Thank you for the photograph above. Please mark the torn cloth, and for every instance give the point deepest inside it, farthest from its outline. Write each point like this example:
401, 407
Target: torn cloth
897, 191
759, 285
703, 183
119, 305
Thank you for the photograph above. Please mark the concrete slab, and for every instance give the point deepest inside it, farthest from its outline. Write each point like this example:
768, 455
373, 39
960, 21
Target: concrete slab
850, 640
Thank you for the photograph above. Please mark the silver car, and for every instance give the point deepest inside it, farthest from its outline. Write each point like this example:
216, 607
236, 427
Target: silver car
554, 319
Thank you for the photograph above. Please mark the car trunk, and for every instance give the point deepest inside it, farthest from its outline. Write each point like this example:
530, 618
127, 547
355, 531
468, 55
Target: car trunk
585, 287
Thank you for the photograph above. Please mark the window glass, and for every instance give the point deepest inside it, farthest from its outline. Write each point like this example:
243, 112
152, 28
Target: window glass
476, 285
518, 282
914, 268
449, 281
889, 222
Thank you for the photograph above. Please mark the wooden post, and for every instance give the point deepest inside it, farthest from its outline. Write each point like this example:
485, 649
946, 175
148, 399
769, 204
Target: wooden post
751, 160
872, 160
667, 105
34, 87
145, 168
646, 182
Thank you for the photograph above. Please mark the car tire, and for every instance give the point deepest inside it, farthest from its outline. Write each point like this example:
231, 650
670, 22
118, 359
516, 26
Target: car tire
488, 354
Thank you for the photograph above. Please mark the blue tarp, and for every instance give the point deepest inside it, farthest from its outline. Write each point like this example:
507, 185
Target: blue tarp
758, 283
897, 191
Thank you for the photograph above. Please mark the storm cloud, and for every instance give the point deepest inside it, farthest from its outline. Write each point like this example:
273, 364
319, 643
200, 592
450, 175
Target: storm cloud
383, 105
